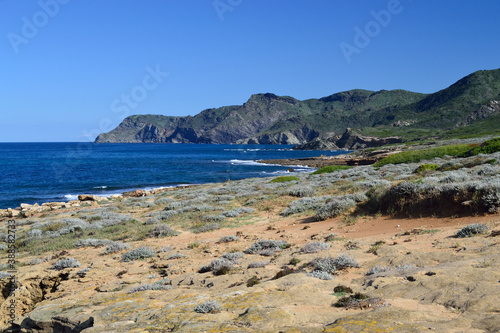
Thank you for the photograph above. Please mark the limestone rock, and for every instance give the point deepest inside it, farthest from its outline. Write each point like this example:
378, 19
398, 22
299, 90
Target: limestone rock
87, 197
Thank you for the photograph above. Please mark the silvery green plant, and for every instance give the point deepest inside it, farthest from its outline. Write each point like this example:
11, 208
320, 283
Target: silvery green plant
208, 307
313, 247
139, 253
66, 263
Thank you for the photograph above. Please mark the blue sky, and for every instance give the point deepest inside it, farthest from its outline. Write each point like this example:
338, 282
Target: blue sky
71, 69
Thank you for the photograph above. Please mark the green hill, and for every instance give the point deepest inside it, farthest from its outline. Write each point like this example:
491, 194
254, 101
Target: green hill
470, 105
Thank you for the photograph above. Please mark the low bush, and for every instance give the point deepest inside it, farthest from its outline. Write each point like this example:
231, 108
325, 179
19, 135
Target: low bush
284, 272
283, 179
233, 257
162, 230
354, 301
321, 275
331, 265
472, 230
314, 247
82, 272
208, 307
218, 267
254, 280
415, 156
487, 147
214, 218
228, 239
304, 204
334, 208
139, 253
147, 286
426, 167
330, 169
258, 264
342, 289
115, 247
382, 269
300, 191
66, 263
177, 256
263, 246
344, 261
326, 265
35, 261
35, 234
92, 242
207, 228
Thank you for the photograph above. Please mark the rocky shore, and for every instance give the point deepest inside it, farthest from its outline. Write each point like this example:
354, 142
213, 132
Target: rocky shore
307, 253
360, 157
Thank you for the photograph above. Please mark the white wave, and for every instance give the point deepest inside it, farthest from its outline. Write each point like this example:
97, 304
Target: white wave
100, 187
247, 162
71, 197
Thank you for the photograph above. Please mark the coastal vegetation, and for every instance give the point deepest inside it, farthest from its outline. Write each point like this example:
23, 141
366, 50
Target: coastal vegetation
248, 245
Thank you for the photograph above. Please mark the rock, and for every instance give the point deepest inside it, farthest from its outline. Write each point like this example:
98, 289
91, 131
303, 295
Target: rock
12, 212
349, 140
54, 325
25, 206
134, 194
87, 197
27, 213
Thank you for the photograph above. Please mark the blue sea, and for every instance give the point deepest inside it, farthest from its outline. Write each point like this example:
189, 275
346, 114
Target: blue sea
44, 172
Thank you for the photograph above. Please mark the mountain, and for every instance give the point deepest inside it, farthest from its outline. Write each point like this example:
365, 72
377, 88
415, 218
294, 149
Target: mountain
268, 118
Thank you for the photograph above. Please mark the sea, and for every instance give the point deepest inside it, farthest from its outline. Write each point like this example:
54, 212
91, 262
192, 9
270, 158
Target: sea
45, 172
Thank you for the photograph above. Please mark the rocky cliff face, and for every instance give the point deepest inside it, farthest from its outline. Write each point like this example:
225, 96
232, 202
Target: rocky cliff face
272, 119
349, 140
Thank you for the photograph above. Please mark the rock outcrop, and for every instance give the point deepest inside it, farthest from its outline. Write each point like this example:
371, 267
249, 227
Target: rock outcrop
349, 140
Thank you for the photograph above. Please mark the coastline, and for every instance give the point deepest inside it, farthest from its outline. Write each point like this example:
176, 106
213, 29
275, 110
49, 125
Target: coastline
400, 263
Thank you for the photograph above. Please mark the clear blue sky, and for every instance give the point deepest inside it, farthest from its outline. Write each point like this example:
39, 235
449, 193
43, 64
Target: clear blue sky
67, 66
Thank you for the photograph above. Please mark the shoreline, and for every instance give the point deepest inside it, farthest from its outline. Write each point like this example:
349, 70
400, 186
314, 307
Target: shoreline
165, 250
25, 210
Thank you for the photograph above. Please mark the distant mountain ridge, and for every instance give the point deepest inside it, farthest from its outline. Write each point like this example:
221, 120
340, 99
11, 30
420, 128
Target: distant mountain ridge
271, 119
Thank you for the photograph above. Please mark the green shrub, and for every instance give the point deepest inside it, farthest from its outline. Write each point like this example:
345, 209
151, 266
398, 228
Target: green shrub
330, 168
487, 147
415, 156
283, 179
284, 272
424, 167
254, 280
342, 289
350, 301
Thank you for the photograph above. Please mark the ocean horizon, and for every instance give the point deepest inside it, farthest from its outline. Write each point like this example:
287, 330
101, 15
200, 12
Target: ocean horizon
41, 172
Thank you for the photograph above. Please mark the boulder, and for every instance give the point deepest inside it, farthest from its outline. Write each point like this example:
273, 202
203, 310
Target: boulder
56, 324
12, 212
134, 194
25, 206
87, 197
